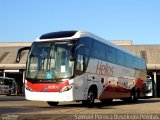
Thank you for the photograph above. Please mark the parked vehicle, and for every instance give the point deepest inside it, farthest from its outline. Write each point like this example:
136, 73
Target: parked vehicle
149, 87
7, 86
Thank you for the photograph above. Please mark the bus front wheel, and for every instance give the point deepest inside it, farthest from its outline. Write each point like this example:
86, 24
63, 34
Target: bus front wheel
90, 99
52, 103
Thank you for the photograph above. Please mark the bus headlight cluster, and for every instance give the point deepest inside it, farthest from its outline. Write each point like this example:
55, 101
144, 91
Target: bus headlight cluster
66, 88
28, 88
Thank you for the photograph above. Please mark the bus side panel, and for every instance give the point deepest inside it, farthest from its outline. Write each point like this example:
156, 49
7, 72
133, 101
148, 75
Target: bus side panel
83, 83
117, 88
141, 82
117, 81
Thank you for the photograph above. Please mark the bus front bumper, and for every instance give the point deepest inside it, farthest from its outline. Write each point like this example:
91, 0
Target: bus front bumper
49, 96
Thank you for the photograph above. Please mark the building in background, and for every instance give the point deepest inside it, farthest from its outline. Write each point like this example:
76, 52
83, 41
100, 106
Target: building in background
122, 42
8, 65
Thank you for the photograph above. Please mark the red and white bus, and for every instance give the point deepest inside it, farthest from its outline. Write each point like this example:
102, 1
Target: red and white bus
80, 66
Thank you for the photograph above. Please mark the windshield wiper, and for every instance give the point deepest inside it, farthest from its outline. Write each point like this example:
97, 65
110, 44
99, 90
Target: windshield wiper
36, 75
40, 67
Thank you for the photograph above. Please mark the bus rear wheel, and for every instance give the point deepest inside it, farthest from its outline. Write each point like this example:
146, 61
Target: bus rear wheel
52, 103
134, 96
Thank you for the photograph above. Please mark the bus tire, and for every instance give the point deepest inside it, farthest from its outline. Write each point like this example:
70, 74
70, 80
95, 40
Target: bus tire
134, 96
52, 103
90, 99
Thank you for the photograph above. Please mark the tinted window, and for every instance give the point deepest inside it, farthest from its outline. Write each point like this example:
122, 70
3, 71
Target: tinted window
98, 50
135, 62
87, 45
120, 57
83, 54
143, 64
128, 60
87, 41
139, 63
110, 54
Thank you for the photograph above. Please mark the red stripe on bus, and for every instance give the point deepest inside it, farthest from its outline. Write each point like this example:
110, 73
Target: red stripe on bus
47, 87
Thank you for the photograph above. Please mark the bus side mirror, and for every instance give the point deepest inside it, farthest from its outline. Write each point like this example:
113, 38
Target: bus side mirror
72, 58
19, 53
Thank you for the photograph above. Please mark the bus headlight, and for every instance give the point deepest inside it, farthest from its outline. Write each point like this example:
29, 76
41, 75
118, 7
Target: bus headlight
28, 88
66, 88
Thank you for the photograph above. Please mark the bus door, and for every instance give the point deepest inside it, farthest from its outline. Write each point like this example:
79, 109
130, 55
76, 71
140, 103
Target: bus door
81, 84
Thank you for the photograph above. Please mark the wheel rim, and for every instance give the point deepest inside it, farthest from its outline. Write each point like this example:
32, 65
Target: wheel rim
91, 98
132, 97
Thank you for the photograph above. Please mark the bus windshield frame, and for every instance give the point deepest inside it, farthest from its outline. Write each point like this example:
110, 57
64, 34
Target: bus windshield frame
49, 61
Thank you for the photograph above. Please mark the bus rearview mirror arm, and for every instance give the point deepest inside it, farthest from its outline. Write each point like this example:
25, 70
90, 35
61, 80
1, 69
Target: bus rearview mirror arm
19, 53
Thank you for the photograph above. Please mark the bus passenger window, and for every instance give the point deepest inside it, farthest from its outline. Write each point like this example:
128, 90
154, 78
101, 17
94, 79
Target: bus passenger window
80, 62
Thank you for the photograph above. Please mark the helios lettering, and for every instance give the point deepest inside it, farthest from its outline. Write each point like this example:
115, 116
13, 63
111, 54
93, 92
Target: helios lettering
53, 87
104, 69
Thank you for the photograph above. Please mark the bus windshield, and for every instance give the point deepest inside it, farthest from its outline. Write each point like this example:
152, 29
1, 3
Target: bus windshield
49, 61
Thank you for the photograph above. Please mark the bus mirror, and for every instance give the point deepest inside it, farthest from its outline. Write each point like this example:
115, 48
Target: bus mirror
18, 58
19, 53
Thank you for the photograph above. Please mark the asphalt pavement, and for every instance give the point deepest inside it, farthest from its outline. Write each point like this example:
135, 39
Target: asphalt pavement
17, 108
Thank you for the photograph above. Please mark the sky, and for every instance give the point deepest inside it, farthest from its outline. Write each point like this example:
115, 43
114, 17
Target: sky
26, 20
